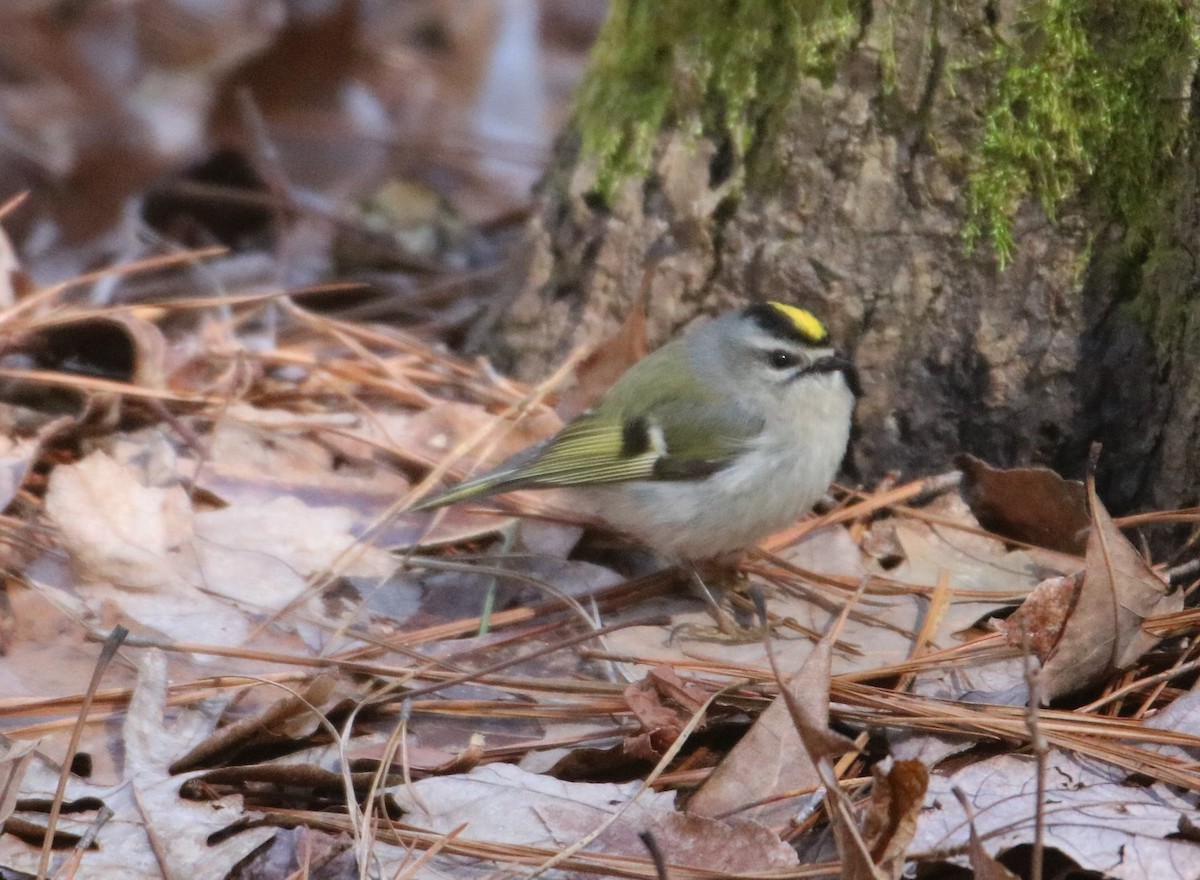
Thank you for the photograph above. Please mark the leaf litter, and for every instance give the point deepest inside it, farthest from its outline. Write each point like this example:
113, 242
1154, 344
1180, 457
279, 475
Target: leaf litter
250, 541
220, 463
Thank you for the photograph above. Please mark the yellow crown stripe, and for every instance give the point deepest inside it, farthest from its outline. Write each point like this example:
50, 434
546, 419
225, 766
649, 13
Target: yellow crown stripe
806, 323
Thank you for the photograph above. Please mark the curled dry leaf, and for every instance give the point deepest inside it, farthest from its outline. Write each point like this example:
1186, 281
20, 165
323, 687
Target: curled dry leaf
1032, 505
891, 821
853, 852
113, 345
663, 704
16, 458
1086, 627
1041, 617
290, 718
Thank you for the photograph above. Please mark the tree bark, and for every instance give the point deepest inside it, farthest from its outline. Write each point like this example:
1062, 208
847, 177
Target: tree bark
854, 202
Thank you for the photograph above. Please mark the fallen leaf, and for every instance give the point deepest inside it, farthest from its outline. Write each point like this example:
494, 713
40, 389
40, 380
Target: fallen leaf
821, 744
663, 704
14, 761
134, 541
891, 821
295, 851
114, 527
448, 427
1031, 505
16, 458
1041, 617
292, 717
830, 552
10, 272
1102, 631
265, 553
774, 757
1125, 832
153, 829
856, 860
608, 361
983, 866
502, 804
983, 577
1182, 715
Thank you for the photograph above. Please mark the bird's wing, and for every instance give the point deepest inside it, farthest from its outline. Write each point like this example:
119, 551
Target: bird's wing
665, 441
602, 447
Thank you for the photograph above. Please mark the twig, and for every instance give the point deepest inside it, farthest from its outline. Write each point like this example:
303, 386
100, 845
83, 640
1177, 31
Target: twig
1040, 748
111, 644
85, 842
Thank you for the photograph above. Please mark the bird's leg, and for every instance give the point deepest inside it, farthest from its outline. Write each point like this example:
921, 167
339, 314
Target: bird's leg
508, 539
724, 622
724, 578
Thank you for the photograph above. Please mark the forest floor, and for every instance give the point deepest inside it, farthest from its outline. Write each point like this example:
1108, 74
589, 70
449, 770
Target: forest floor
229, 652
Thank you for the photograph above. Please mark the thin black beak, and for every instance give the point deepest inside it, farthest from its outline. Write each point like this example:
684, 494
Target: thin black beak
836, 363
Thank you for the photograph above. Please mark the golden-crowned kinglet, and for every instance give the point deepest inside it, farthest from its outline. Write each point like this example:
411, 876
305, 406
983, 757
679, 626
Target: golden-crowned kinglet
719, 438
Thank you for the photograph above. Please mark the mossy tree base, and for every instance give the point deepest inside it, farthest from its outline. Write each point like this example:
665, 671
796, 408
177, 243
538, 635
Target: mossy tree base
856, 207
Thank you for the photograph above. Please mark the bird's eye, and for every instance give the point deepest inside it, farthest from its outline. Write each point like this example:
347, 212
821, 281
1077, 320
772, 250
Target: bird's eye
781, 359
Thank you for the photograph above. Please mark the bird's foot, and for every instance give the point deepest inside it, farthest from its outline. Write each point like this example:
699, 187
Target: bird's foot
733, 615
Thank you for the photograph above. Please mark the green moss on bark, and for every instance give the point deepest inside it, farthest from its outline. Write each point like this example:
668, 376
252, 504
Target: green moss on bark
1080, 95
721, 69
1090, 94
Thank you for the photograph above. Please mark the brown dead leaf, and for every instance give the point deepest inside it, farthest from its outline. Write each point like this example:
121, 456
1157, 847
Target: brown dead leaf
1041, 617
16, 458
775, 756
1102, 629
606, 363
820, 745
1032, 505
891, 821
663, 704
134, 540
856, 859
290, 718
993, 577
449, 427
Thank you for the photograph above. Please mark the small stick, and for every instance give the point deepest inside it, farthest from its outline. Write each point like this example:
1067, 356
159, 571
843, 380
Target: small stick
111, 644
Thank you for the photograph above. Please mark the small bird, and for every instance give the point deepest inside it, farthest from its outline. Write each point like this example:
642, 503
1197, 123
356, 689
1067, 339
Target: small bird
714, 441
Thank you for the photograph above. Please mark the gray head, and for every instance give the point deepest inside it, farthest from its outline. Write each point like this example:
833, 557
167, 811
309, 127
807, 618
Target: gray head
773, 350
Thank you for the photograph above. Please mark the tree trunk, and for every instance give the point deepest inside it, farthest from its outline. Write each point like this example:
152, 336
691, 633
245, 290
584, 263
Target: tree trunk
971, 195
